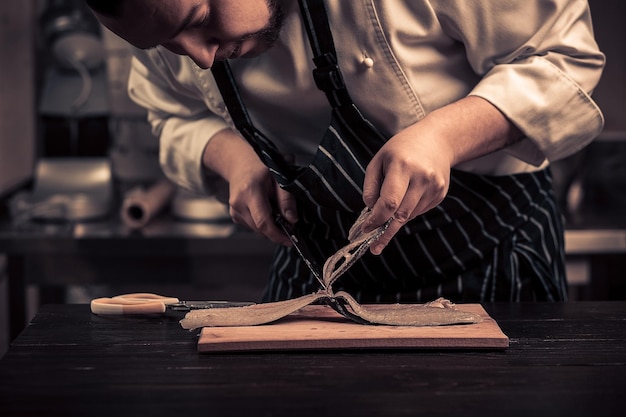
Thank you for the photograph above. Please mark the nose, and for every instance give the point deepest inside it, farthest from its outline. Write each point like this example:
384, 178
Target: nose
201, 52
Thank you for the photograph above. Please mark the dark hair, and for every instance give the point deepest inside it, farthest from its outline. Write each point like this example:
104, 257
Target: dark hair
111, 8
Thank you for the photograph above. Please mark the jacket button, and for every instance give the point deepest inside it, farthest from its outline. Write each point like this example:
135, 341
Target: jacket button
368, 62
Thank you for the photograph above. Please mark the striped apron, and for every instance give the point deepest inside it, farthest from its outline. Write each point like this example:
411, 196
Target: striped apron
493, 238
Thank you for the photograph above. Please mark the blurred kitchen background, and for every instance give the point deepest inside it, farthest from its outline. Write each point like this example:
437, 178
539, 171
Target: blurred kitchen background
85, 210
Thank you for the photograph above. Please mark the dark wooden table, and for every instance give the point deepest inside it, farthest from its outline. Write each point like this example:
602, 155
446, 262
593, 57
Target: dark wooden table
566, 359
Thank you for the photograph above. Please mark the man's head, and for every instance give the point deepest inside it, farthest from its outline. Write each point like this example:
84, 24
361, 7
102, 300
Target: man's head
106, 7
205, 30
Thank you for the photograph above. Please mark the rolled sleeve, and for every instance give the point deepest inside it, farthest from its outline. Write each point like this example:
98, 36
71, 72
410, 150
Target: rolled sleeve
178, 115
554, 113
182, 143
538, 63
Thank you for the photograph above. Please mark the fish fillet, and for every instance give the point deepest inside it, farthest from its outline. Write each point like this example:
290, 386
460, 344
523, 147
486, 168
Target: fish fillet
435, 313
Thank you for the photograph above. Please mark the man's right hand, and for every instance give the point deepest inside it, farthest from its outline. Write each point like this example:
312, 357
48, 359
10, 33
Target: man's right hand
253, 192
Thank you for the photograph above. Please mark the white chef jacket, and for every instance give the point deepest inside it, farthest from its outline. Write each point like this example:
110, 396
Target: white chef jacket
535, 60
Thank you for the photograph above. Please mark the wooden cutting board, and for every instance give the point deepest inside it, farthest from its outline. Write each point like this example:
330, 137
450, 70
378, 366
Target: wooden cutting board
319, 327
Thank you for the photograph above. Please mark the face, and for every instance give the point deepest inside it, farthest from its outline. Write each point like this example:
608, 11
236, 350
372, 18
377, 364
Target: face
205, 30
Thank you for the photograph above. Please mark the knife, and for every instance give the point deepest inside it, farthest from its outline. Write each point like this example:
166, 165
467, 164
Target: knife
301, 249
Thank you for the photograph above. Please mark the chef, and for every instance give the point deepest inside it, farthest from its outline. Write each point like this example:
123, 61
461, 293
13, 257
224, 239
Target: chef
442, 116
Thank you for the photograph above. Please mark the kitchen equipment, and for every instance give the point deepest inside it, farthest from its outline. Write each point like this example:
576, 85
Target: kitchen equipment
346, 262
72, 35
301, 249
149, 303
320, 327
349, 255
67, 189
142, 204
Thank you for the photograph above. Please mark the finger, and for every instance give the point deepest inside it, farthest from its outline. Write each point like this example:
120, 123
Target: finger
263, 218
385, 238
392, 193
258, 216
372, 182
408, 208
287, 205
403, 214
240, 216
431, 195
415, 203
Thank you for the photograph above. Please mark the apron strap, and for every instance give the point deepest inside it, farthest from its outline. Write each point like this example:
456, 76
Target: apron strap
327, 74
264, 148
328, 78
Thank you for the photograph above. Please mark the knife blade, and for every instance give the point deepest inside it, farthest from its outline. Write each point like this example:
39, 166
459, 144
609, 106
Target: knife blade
301, 249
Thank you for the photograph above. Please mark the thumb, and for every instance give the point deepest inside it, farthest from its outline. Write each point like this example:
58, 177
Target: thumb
286, 205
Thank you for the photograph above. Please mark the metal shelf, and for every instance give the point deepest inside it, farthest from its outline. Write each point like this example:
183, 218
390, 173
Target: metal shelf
595, 241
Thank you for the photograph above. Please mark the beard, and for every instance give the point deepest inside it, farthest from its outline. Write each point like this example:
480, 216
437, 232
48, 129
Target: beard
268, 36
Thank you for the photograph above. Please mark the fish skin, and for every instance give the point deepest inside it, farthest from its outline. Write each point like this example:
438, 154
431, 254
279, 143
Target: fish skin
251, 315
439, 312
